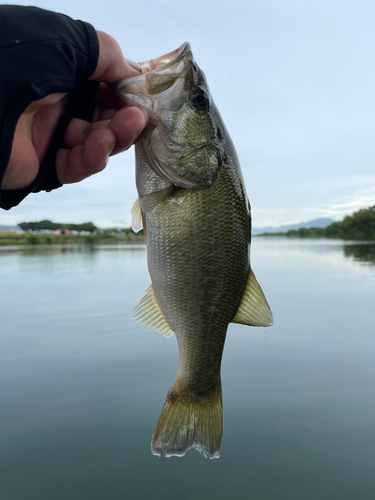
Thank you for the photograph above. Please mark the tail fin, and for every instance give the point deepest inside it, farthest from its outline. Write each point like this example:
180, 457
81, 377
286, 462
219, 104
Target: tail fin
186, 424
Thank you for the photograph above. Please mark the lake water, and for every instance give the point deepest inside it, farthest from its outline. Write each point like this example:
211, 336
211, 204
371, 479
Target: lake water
82, 386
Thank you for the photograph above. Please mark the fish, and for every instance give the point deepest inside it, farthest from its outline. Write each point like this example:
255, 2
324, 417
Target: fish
193, 207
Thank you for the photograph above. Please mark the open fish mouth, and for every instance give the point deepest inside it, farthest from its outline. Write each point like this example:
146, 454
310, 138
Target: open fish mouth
166, 61
157, 76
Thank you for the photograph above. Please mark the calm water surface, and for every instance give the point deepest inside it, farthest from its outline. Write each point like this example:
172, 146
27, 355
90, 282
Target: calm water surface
82, 386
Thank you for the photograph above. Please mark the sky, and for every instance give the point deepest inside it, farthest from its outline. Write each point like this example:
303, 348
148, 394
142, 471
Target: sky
294, 81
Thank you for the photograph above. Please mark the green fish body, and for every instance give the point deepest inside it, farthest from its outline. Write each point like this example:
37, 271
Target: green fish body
196, 217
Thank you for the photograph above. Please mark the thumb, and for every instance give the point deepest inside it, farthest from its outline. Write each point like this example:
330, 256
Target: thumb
112, 65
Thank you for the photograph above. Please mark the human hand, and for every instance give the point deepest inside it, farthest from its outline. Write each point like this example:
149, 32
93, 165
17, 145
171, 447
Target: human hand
113, 129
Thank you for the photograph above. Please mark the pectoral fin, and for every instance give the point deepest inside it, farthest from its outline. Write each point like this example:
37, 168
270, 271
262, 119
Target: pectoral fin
254, 309
149, 314
137, 217
150, 201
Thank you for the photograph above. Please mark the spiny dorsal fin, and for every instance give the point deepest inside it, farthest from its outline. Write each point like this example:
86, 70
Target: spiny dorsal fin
254, 309
137, 216
150, 201
148, 313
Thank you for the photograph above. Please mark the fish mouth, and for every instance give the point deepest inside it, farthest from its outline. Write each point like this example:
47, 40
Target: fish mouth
166, 61
156, 76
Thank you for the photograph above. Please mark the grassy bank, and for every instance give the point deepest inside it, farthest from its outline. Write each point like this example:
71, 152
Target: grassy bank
12, 238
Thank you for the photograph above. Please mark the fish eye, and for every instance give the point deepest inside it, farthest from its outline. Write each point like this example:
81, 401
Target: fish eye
199, 99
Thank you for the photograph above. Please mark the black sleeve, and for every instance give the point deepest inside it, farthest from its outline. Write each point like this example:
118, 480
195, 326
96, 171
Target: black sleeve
42, 52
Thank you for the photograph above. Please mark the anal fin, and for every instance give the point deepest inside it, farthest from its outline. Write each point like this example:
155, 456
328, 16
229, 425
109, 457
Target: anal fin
254, 309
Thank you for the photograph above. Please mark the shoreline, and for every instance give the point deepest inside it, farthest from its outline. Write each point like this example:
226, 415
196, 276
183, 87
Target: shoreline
10, 238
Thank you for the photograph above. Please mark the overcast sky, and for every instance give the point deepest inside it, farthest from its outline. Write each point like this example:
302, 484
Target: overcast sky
294, 81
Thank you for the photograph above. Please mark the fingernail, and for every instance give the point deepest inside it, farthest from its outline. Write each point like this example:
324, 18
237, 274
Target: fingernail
134, 65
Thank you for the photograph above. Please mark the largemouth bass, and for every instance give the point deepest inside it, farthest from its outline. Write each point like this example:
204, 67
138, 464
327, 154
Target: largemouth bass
196, 217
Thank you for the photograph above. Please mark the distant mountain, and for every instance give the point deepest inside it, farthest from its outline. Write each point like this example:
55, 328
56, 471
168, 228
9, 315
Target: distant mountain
283, 229
10, 228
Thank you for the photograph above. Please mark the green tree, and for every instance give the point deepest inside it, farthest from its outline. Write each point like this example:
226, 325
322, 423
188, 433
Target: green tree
359, 226
334, 230
88, 226
51, 226
303, 232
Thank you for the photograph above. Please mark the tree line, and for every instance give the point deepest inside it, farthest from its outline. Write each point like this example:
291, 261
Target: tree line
87, 227
52, 226
359, 226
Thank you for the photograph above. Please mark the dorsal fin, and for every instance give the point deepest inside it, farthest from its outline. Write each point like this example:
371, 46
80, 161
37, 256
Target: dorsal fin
149, 314
254, 309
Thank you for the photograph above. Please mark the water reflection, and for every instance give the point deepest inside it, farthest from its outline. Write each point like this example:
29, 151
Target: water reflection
364, 252
66, 249
81, 385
